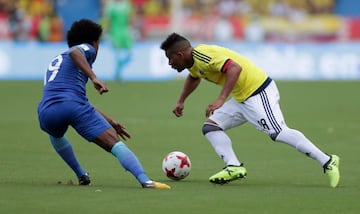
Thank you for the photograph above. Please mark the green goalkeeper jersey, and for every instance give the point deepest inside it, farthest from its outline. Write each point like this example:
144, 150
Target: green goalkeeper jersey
118, 14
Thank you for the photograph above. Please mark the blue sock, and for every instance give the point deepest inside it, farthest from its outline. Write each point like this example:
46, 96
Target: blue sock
63, 147
129, 161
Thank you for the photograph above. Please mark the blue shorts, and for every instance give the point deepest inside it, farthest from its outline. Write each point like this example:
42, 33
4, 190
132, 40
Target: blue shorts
56, 118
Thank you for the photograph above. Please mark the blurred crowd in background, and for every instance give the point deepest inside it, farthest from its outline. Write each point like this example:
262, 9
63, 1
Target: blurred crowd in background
26, 20
211, 20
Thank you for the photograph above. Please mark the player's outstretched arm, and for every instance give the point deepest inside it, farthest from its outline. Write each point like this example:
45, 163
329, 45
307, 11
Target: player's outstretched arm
119, 128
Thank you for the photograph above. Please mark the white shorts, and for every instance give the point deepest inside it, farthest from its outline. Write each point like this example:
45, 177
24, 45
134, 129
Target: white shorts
261, 110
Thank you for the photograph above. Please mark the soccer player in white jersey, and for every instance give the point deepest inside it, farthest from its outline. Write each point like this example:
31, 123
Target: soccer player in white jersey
64, 103
253, 97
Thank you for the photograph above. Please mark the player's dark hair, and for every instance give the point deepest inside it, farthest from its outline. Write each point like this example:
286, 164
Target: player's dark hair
83, 31
175, 42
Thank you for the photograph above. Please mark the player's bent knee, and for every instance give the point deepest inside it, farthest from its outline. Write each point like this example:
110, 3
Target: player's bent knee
107, 139
207, 127
273, 136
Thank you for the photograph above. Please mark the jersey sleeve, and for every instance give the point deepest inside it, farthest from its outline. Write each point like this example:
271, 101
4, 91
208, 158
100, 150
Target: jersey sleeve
219, 61
88, 51
225, 65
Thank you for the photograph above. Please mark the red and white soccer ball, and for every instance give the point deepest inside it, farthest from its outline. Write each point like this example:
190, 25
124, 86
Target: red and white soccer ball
176, 165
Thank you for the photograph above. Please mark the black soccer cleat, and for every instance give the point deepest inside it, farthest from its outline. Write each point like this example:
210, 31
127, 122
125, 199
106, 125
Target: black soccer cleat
85, 180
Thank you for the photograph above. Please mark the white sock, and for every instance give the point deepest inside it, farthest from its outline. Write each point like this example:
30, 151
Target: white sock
221, 142
297, 140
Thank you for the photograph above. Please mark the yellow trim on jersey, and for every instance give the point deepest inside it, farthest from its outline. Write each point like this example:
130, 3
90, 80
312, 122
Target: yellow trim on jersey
209, 64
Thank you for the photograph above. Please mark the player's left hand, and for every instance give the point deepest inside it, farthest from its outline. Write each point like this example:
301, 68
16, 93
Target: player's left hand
100, 86
178, 109
120, 129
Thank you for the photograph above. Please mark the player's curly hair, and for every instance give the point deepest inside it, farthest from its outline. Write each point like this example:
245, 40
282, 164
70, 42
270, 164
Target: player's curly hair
83, 31
175, 42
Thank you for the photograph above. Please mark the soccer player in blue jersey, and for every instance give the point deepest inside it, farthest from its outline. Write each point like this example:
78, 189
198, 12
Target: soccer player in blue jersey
64, 103
254, 99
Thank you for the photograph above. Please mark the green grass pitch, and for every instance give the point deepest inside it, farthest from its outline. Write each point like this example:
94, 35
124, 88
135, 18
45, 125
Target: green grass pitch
33, 179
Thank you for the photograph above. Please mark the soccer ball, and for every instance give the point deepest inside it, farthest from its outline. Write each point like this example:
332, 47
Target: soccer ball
176, 165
